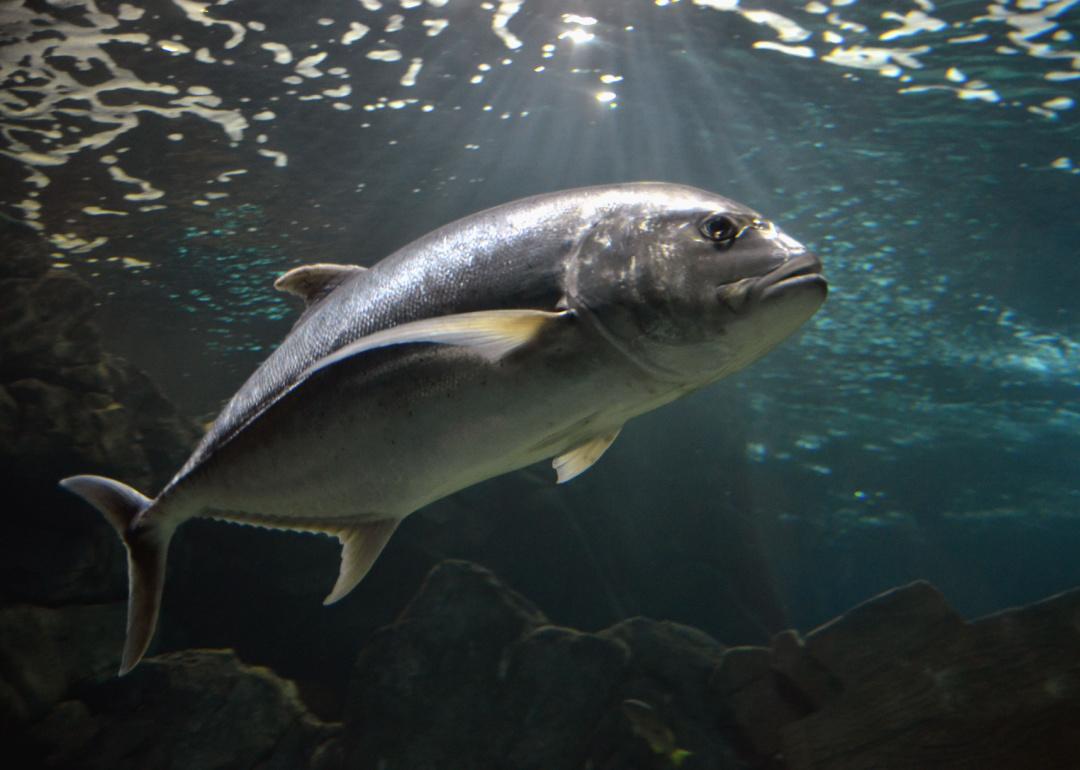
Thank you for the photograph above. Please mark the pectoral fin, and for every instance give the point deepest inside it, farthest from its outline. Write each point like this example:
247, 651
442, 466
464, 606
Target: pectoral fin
313, 282
571, 464
360, 547
491, 333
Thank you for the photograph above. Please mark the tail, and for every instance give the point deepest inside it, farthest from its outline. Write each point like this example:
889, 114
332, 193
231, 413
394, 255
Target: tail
147, 545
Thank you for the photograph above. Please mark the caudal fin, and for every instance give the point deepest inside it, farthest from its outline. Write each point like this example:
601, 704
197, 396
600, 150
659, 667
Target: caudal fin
147, 545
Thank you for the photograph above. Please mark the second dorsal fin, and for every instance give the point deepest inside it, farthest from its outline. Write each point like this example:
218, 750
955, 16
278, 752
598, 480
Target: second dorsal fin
313, 282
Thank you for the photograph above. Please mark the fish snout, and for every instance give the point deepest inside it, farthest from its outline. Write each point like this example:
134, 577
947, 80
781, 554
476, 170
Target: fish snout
800, 271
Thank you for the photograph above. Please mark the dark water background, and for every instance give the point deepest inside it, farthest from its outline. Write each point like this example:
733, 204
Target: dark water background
924, 424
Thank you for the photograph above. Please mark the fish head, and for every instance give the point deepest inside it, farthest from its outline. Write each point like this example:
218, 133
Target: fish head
694, 285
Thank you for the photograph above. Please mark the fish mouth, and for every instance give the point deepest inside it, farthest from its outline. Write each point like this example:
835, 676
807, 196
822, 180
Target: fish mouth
799, 273
803, 271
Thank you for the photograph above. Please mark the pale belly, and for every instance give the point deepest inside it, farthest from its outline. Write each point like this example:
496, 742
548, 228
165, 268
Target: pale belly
384, 437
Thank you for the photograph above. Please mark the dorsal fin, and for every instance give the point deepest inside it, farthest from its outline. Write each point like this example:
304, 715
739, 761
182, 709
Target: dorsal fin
313, 282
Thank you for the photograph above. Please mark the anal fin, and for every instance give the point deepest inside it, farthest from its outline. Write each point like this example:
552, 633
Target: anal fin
571, 464
360, 547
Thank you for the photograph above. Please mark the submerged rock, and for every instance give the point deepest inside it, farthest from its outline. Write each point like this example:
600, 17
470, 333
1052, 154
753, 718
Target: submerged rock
62, 706
67, 403
472, 675
920, 687
67, 406
903, 681
425, 687
472, 671
554, 684
46, 652
194, 709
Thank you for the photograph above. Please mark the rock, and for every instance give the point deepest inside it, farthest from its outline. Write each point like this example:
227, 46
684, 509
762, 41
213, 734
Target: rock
24, 254
55, 549
807, 682
472, 674
45, 322
556, 684
46, 652
674, 658
128, 430
9, 412
59, 427
62, 736
669, 669
471, 670
755, 705
903, 681
62, 706
458, 596
920, 687
204, 709
903, 623
165, 436
67, 406
423, 688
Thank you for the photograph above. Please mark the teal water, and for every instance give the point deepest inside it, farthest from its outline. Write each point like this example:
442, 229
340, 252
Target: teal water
924, 424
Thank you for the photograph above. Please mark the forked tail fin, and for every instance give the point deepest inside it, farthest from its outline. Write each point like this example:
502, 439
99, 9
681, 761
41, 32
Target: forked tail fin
147, 546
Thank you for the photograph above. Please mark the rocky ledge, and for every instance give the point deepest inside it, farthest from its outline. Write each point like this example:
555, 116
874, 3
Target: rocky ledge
65, 400
67, 406
471, 675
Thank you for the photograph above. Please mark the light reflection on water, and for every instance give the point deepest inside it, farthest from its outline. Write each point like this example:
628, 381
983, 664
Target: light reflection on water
72, 74
205, 147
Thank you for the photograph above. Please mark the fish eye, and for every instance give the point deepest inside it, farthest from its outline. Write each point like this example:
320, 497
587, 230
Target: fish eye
719, 228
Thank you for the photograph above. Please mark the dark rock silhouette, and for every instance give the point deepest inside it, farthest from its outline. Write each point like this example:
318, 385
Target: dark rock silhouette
193, 709
917, 686
65, 400
67, 406
46, 653
471, 671
471, 675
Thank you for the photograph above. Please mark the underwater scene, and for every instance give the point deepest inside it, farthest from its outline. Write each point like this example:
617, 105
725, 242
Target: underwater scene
497, 334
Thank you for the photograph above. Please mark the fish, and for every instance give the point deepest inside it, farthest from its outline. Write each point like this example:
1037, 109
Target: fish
530, 331
648, 725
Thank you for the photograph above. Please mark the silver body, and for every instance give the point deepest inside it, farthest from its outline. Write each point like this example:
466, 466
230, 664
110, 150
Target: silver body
386, 434
384, 438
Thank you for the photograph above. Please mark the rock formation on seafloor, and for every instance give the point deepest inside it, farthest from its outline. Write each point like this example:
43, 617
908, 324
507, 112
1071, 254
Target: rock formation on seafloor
471, 671
67, 406
181, 710
471, 675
